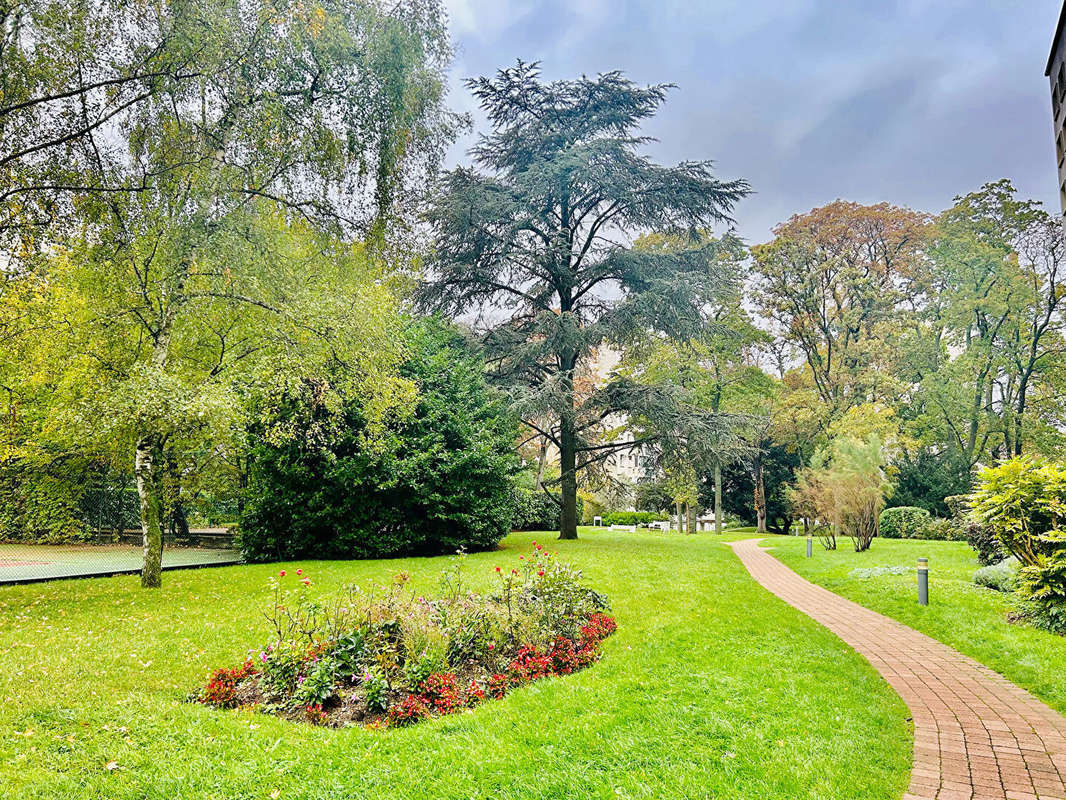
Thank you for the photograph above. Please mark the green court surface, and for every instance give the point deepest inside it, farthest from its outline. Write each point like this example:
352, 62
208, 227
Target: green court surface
24, 563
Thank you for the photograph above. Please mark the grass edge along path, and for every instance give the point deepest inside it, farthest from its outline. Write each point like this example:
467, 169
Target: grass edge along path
711, 688
962, 615
976, 733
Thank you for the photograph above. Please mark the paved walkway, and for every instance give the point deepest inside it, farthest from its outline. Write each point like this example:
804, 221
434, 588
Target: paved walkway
976, 734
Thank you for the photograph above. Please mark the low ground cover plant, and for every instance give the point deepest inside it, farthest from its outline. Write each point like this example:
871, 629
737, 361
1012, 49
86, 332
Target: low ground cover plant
389, 657
1003, 576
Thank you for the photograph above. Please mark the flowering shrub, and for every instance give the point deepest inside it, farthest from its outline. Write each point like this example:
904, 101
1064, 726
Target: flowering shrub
221, 689
388, 656
598, 628
411, 709
497, 685
529, 665
441, 692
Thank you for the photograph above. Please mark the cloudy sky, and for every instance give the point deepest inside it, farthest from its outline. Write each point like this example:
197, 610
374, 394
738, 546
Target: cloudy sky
906, 101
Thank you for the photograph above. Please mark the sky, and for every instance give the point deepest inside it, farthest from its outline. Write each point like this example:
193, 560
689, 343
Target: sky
910, 102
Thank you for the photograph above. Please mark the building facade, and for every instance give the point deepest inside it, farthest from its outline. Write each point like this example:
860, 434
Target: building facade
1056, 74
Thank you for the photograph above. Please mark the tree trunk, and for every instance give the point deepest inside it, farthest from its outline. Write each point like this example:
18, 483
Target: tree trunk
568, 481
680, 521
760, 499
717, 498
691, 518
148, 468
542, 458
1019, 413
149, 491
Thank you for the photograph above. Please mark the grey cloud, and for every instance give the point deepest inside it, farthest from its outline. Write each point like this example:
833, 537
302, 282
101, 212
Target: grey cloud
907, 101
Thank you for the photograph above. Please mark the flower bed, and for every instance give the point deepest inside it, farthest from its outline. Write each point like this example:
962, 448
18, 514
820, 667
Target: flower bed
389, 657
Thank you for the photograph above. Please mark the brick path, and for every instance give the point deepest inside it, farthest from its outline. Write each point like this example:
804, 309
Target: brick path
976, 734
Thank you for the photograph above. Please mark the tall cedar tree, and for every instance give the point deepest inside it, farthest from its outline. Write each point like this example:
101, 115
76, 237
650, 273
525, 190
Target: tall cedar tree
531, 238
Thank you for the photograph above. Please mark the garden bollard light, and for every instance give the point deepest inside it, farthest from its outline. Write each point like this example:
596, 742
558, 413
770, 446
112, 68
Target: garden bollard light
923, 581
809, 545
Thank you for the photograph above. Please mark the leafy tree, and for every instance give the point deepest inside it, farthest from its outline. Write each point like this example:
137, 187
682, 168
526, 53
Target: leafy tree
717, 372
996, 315
924, 477
855, 483
108, 98
837, 282
763, 479
324, 484
182, 143
533, 237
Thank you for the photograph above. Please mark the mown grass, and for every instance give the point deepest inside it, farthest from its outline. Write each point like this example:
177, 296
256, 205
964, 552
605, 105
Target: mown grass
970, 618
711, 688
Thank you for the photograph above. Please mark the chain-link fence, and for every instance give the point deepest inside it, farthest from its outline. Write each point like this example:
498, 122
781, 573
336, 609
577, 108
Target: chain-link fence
87, 524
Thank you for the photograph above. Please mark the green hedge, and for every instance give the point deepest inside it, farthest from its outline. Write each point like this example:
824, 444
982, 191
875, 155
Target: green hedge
905, 522
911, 522
631, 517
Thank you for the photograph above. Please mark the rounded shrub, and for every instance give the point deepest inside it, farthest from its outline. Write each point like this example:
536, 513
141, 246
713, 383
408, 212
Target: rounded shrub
905, 522
433, 481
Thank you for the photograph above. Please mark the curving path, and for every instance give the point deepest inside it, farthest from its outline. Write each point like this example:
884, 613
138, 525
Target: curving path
976, 734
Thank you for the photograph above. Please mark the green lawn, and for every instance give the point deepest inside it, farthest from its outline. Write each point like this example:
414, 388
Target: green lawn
967, 617
711, 688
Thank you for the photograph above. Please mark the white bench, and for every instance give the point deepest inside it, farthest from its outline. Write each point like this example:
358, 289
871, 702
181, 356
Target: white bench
630, 528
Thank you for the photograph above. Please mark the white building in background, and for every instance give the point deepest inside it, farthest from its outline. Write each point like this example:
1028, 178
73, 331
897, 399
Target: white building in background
623, 468
627, 466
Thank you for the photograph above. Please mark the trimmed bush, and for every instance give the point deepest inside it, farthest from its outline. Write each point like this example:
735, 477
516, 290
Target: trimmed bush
945, 530
905, 522
432, 482
1002, 576
631, 517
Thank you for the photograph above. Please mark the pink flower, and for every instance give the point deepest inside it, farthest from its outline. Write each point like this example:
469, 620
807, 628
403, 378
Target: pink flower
299, 572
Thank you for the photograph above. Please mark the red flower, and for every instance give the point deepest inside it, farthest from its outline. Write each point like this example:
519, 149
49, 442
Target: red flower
282, 573
529, 665
411, 709
299, 572
221, 689
474, 693
540, 572
497, 685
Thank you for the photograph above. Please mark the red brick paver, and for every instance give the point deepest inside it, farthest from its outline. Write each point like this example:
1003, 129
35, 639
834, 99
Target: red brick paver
976, 734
